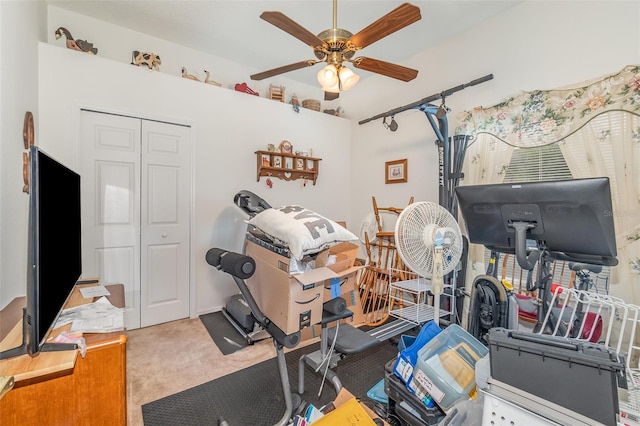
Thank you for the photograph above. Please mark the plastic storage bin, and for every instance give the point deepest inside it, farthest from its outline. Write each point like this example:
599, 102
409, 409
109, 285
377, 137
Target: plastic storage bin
377, 393
446, 365
405, 404
577, 375
405, 341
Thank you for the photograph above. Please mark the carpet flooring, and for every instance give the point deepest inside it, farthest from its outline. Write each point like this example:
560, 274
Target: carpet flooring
224, 335
253, 396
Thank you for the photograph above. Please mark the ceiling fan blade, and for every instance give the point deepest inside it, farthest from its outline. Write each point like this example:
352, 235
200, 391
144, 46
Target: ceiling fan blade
393, 21
288, 25
283, 69
330, 96
385, 68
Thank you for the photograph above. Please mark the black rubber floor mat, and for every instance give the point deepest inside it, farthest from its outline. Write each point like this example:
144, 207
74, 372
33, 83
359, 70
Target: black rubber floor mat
254, 396
225, 336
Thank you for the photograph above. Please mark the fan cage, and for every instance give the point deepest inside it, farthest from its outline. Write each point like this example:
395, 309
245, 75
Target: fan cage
416, 248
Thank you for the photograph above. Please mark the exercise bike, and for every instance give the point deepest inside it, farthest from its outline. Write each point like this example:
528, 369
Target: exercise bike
237, 310
578, 321
241, 267
559, 318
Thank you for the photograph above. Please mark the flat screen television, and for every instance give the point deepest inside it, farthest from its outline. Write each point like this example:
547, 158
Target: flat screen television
571, 219
54, 261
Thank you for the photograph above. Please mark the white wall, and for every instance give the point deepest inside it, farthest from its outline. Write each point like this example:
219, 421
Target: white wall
227, 127
21, 26
533, 45
117, 43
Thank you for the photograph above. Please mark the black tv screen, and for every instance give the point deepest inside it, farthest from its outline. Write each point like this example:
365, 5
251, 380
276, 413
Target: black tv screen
572, 219
54, 246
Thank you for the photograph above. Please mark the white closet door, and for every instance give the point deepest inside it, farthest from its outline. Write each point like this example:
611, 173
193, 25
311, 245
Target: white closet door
110, 182
136, 190
166, 185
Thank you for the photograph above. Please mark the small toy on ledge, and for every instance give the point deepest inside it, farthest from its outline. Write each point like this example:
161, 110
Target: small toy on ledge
295, 103
335, 112
151, 60
242, 87
209, 81
79, 45
185, 74
276, 93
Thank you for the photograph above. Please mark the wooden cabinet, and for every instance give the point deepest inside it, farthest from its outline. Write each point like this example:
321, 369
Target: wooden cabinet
287, 166
63, 388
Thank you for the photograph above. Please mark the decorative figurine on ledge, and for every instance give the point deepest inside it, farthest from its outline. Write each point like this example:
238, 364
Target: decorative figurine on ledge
79, 45
151, 60
295, 103
242, 87
209, 81
186, 74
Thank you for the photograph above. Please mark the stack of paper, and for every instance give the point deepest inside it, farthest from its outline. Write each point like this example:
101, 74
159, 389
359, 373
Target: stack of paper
97, 317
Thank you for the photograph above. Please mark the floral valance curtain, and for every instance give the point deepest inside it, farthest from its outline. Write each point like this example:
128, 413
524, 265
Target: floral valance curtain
541, 117
597, 128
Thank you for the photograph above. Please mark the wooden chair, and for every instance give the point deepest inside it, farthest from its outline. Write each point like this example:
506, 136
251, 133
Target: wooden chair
384, 265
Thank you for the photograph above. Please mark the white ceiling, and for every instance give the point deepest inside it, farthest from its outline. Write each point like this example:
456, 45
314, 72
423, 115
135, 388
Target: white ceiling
234, 30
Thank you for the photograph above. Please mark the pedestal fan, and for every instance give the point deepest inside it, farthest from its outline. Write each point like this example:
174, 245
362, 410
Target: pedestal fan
430, 243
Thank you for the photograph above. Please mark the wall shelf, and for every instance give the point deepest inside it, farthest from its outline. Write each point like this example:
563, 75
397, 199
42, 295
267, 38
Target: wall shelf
287, 166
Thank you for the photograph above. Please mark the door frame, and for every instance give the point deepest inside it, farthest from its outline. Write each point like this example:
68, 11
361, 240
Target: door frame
77, 155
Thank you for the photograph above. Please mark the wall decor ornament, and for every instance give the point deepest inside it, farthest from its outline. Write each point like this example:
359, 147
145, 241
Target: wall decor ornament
242, 87
151, 60
395, 171
185, 74
79, 45
286, 147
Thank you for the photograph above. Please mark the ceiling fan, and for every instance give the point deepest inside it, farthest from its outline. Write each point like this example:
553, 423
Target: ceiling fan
336, 46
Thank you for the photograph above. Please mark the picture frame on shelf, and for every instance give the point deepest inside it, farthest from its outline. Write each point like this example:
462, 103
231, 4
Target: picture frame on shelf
288, 163
286, 147
277, 161
300, 163
266, 160
395, 171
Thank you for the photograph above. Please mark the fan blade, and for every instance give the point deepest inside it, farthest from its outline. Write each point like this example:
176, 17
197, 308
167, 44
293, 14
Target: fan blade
329, 96
385, 68
288, 25
283, 69
393, 21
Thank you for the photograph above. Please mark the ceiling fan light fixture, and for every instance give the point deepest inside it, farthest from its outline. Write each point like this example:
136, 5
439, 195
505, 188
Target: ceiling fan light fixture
348, 78
333, 88
328, 76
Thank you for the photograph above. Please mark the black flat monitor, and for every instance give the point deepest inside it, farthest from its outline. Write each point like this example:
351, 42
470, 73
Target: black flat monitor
54, 259
571, 219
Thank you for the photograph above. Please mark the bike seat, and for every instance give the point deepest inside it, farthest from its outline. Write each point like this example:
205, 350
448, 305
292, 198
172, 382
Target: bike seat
596, 269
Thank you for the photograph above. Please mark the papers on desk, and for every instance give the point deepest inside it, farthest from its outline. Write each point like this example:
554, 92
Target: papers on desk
94, 291
97, 317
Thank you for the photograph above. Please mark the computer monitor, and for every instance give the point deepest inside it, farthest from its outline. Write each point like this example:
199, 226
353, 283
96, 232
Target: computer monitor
570, 219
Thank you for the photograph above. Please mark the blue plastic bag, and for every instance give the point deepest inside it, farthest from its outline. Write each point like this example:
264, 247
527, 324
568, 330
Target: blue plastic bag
407, 359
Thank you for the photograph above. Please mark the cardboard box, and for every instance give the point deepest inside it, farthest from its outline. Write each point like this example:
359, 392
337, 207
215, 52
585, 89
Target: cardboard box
292, 301
353, 304
349, 250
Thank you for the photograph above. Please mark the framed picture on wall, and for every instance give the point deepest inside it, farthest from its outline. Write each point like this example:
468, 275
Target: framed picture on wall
395, 171
277, 161
288, 163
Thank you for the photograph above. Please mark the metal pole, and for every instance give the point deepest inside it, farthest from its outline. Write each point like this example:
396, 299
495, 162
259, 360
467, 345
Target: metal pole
428, 99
